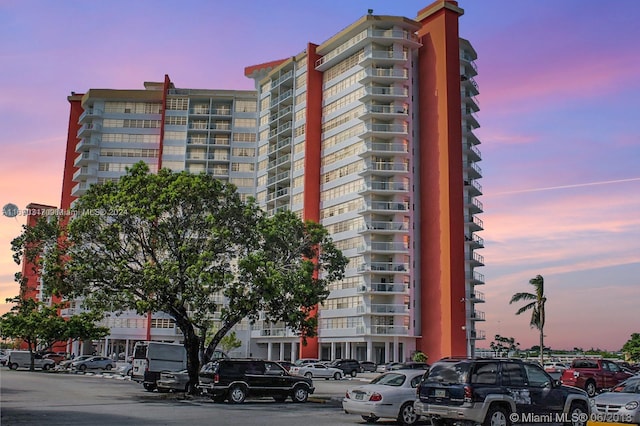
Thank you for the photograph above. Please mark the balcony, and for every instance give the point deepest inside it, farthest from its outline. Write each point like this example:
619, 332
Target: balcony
81, 188
218, 171
385, 207
473, 188
476, 316
341, 52
477, 297
475, 278
383, 111
282, 98
385, 130
200, 110
384, 187
378, 309
282, 128
272, 332
474, 241
384, 247
90, 113
384, 57
88, 142
285, 112
278, 194
384, 167
469, 64
473, 205
218, 110
278, 178
384, 227
278, 161
384, 74
388, 267
284, 143
472, 153
472, 169
84, 172
474, 259
383, 93
85, 158
284, 77
87, 129
387, 288
473, 223
398, 330
477, 335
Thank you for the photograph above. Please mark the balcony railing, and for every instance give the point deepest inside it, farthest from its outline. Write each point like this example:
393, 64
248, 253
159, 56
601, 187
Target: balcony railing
384, 226
279, 177
386, 186
387, 166
377, 287
383, 309
384, 246
384, 267
385, 205
383, 329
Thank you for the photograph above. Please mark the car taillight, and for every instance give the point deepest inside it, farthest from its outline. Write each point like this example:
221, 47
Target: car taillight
375, 397
468, 394
216, 378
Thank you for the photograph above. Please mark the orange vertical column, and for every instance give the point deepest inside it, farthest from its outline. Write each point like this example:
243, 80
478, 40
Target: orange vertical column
313, 145
76, 110
441, 184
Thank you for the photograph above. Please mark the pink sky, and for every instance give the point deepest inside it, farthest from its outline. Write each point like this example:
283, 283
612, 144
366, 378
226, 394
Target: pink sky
560, 139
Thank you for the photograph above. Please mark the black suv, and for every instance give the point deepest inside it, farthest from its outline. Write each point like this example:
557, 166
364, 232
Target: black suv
236, 379
497, 392
348, 366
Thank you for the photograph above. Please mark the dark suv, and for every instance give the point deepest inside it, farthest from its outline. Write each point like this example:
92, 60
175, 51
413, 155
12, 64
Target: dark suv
236, 379
348, 366
497, 392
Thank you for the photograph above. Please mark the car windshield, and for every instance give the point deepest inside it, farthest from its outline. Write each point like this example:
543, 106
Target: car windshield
389, 379
449, 372
630, 386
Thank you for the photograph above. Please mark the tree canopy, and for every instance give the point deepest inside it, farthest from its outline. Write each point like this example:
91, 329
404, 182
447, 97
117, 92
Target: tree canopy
631, 348
39, 325
189, 246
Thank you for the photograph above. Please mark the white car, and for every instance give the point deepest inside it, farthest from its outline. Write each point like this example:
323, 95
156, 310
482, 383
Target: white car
317, 370
390, 396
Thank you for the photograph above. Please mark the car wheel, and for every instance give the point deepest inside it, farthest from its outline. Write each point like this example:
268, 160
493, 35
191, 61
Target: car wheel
108, 367
13, 366
590, 388
496, 416
300, 394
237, 394
354, 373
82, 368
407, 415
308, 375
578, 415
337, 376
46, 367
370, 419
149, 386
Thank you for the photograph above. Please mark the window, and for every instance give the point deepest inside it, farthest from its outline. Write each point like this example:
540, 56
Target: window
243, 152
244, 137
246, 106
536, 377
512, 375
178, 104
172, 120
485, 373
244, 122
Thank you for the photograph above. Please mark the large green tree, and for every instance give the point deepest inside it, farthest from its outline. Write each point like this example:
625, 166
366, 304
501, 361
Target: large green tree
536, 305
188, 245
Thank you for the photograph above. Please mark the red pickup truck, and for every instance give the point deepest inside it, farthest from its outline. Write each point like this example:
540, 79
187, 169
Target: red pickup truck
593, 375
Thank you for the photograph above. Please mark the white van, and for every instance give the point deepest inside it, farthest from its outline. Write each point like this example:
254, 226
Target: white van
151, 358
22, 359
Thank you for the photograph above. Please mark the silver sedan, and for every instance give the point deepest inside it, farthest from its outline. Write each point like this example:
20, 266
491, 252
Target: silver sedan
390, 395
93, 363
317, 370
621, 405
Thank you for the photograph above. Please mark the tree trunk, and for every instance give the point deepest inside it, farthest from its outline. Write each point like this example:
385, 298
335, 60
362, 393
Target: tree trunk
192, 346
541, 347
226, 327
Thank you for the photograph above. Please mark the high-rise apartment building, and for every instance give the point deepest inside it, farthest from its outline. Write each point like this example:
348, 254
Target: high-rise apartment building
369, 133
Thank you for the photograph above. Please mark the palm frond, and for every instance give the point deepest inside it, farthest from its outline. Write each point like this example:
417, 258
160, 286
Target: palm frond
522, 296
526, 307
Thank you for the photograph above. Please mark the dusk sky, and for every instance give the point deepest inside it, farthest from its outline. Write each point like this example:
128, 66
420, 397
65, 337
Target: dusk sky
559, 92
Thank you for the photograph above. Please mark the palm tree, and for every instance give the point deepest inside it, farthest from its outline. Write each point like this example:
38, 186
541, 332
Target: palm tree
536, 305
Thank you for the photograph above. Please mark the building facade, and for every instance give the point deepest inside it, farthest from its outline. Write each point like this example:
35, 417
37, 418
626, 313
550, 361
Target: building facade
369, 133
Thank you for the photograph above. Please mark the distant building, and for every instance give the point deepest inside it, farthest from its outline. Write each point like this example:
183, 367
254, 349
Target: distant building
369, 133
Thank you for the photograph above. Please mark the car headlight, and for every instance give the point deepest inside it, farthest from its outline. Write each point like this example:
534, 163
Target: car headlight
631, 405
